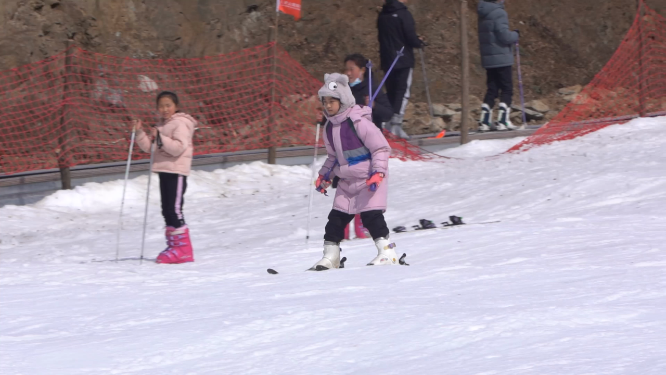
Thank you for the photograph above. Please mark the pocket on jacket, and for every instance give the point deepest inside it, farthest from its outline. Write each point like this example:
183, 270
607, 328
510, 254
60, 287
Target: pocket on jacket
360, 171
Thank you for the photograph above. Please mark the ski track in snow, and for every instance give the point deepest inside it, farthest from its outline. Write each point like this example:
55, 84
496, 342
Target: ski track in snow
571, 281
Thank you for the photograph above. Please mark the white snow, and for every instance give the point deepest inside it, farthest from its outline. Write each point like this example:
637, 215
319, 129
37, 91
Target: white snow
571, 281
481, 148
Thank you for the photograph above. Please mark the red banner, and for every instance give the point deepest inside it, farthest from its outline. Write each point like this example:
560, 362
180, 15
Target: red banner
292, 7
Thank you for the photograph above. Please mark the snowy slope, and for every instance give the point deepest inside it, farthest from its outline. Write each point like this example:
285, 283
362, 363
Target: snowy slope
572, 281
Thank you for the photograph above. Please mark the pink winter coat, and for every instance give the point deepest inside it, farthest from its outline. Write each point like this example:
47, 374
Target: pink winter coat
175, 155
353, 196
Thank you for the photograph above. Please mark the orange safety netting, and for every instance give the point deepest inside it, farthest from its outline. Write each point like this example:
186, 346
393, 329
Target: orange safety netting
76, 108
632, 84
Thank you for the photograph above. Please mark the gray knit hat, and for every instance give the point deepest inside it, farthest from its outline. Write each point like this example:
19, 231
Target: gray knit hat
336, 85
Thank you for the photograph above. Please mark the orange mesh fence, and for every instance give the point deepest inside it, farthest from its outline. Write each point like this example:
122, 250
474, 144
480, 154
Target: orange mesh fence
76, 108
632, 84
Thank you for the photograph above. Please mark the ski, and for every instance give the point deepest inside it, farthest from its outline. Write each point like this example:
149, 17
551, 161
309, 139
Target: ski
425, 224
322, 268
402, 261
115, 260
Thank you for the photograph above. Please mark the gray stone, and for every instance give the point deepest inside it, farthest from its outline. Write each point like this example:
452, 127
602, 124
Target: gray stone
537, 105
571, 90
440, 110
529, 114
423, 124
456, 120
456, 107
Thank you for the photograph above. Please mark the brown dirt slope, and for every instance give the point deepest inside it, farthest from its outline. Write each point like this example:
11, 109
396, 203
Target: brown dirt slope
564, 42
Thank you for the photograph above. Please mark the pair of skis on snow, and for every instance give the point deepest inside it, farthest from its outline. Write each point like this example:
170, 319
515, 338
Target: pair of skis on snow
424, 224
455, 221
402, 261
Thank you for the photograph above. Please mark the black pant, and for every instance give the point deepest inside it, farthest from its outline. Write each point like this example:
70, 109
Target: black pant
172, 189
499, 79
398, 85
373, 221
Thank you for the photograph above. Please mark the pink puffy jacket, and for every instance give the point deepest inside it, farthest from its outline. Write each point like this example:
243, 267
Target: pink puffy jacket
175, 155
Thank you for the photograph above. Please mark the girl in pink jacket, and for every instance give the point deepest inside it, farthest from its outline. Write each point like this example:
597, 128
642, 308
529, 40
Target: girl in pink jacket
358, 154
172, 139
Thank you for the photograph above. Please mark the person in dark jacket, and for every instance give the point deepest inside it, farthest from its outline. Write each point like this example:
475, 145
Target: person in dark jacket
396, 28
355, 69
496, 42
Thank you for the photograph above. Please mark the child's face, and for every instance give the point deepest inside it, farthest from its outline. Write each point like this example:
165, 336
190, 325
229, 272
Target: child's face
166, 107
332, 105
353, 71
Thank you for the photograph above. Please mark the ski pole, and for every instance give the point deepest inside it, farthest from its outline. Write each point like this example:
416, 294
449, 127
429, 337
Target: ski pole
145, 213
425, 80
369, 66
122, 201
400, 54
520, 85
314, 164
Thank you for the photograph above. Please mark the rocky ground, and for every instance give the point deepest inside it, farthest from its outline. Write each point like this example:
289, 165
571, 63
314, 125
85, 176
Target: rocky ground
449, 116
563, 43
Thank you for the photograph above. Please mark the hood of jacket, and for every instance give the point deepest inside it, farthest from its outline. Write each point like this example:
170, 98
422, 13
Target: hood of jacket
392, 6
180, 115
354, 113
485, 8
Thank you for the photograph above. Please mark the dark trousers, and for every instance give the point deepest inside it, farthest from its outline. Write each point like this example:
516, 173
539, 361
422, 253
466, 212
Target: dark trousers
172, 189
398, 85
373, 221
499, 79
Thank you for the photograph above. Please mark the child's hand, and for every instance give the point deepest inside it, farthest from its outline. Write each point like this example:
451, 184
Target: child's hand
375, 180
322, 184
137, 125
367, 101
320, 117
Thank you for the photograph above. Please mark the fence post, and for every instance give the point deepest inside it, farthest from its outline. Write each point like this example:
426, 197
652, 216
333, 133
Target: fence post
641, 69
464, 123
272, 124
65, 173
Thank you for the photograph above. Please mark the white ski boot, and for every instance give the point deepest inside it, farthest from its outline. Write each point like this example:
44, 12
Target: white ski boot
486, 118
385, 253
396, 127
331, 258
503, 118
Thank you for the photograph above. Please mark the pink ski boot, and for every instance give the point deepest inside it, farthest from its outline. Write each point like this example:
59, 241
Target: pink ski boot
179, 248
361, 232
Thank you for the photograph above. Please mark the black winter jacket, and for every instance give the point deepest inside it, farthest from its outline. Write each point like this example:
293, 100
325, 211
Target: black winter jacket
396, 29
382, 110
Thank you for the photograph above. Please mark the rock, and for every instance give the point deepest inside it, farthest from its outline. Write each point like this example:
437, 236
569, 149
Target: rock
437, 125
537, 105
551, 114
530, 114
456, 107
456, 120
440, 110
571, 90
422, 124
146, 84
516, 117
474, 102
414, 110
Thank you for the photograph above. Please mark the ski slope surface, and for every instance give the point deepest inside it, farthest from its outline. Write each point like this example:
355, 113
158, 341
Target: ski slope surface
572, 280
